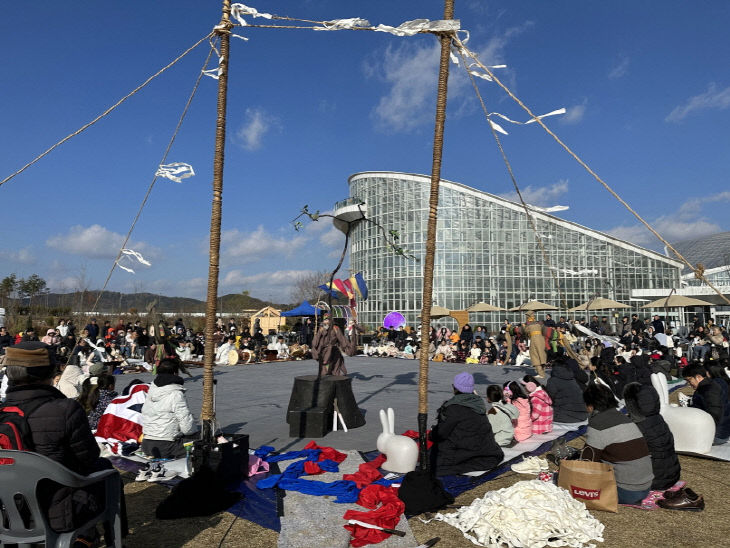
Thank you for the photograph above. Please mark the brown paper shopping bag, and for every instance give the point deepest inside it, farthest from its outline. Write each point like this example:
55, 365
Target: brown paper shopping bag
593, 483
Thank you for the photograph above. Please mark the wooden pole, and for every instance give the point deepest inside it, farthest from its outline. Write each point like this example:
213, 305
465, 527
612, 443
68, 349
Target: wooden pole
438, 141
207, 414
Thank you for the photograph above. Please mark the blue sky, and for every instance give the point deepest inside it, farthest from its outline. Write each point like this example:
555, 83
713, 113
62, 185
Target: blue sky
645, 85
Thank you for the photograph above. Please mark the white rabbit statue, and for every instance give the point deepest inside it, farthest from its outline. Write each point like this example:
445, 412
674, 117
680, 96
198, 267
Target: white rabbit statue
693, 429
401, 451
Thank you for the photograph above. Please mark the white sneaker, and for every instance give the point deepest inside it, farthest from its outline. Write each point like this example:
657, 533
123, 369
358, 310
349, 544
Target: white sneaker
530, 465
144, 473
158, 473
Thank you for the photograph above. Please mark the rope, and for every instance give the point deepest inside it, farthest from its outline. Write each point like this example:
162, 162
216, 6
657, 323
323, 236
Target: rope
438, 144
154, 180
107, 111
669, 246
530, 218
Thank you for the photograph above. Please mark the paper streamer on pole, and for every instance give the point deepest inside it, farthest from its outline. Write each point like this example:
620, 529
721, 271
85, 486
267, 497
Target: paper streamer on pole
239, 10
176, 171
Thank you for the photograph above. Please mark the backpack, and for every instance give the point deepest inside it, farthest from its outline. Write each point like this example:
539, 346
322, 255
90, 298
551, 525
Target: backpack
14, 429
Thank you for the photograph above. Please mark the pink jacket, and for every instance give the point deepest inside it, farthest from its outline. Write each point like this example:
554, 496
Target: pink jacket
542, 412
523, 428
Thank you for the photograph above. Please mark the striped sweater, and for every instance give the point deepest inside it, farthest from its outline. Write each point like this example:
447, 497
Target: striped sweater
618, 441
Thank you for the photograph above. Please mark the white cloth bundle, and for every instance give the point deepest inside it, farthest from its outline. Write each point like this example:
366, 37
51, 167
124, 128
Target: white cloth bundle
530, 514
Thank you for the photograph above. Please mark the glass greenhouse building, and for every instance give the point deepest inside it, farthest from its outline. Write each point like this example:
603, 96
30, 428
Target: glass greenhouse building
486, 251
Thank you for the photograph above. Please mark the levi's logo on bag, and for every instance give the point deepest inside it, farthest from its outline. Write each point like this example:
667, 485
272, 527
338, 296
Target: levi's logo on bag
584, 493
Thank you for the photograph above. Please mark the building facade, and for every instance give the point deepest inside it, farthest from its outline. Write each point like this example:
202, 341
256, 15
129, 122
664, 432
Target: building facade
486, 251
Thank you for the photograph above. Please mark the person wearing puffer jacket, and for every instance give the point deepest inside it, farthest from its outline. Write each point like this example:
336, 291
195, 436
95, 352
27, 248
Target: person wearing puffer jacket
541, 404
502, 416
514, 394
642, 404
165, 414
566, 394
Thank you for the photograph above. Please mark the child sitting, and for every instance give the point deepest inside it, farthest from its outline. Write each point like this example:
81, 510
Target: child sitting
501, 416
474, 354
542, 406
96, 394
514, 394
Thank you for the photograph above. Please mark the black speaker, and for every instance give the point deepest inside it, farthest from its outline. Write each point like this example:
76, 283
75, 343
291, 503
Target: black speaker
228, 461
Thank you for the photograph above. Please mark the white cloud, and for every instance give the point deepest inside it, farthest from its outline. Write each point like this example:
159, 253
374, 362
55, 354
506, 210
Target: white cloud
411, 73
263, 284
575, 114
712, 99
669, 228
257, 123
332, 238
620, 69
675, 226
96, 242
543, 196
20, 256
260, 244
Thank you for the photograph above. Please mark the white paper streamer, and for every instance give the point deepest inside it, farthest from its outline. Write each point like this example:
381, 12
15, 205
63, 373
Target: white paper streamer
529, 514
410, 28
239, 10
343, 24
177, 171
136, 255
128, 254
553, 113
550, 209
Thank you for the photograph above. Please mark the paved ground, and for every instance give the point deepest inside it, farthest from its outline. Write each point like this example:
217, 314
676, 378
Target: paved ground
253, 399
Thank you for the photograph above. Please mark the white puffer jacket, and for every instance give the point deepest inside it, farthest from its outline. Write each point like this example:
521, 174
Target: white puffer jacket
165, 413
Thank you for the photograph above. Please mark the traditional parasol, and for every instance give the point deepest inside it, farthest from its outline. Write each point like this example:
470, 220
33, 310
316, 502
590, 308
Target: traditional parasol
484, 307
598, 303
532, 306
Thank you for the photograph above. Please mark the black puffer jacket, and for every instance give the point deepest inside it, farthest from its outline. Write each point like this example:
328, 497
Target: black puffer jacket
642, 403
61, 432
711, 395
59, 427
643, 369
463, 437
567, 396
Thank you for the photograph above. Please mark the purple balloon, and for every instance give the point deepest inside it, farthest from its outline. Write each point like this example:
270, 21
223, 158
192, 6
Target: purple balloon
394, 320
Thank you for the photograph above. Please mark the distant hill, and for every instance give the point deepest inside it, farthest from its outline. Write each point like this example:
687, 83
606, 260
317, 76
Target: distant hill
112, 302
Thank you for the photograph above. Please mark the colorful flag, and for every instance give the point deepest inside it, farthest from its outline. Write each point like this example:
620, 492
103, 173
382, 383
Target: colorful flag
340, 286
359, 285
326, 289
122, 420
350, 290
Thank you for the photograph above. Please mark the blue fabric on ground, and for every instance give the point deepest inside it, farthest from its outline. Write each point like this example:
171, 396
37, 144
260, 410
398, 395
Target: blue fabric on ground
262, 451
345, 491
309, 454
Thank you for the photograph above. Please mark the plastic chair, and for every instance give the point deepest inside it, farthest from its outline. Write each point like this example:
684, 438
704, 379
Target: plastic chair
20, 473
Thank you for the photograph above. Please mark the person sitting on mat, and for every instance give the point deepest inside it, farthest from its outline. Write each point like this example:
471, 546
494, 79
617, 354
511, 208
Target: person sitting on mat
711, 395
165, 414
502, 416
463, 438
613, 438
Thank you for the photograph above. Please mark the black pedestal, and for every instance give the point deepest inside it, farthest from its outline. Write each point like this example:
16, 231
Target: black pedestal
311, 405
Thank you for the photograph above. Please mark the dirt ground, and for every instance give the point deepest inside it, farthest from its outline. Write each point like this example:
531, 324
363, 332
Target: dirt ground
628, 528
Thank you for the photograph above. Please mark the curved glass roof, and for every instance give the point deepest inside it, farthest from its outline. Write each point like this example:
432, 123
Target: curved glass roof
712, 251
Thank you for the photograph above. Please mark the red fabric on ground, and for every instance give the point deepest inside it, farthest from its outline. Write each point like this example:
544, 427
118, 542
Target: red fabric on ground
387, 515
328, 453
367, 472
414, 436
312, 468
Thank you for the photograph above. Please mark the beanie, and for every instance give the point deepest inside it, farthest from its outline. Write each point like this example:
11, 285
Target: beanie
464, 382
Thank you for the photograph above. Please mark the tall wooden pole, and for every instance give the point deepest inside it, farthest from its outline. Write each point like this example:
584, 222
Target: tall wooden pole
438, 141
207, 414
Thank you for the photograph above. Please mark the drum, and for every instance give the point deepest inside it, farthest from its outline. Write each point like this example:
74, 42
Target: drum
270, 355
295, 351
245, 356
232, 357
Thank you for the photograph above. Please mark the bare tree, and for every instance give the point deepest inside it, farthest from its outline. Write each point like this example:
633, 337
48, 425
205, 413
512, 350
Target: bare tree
306, 288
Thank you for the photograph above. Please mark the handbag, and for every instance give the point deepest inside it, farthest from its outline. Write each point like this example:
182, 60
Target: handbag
593, 483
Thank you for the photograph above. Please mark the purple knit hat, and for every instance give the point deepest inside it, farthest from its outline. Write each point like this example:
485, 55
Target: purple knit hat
464, 382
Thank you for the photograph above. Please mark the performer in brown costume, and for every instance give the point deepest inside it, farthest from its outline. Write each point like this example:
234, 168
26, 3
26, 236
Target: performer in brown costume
538, 355
328, 347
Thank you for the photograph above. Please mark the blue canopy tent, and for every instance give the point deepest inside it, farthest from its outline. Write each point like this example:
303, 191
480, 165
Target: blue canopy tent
304, 309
